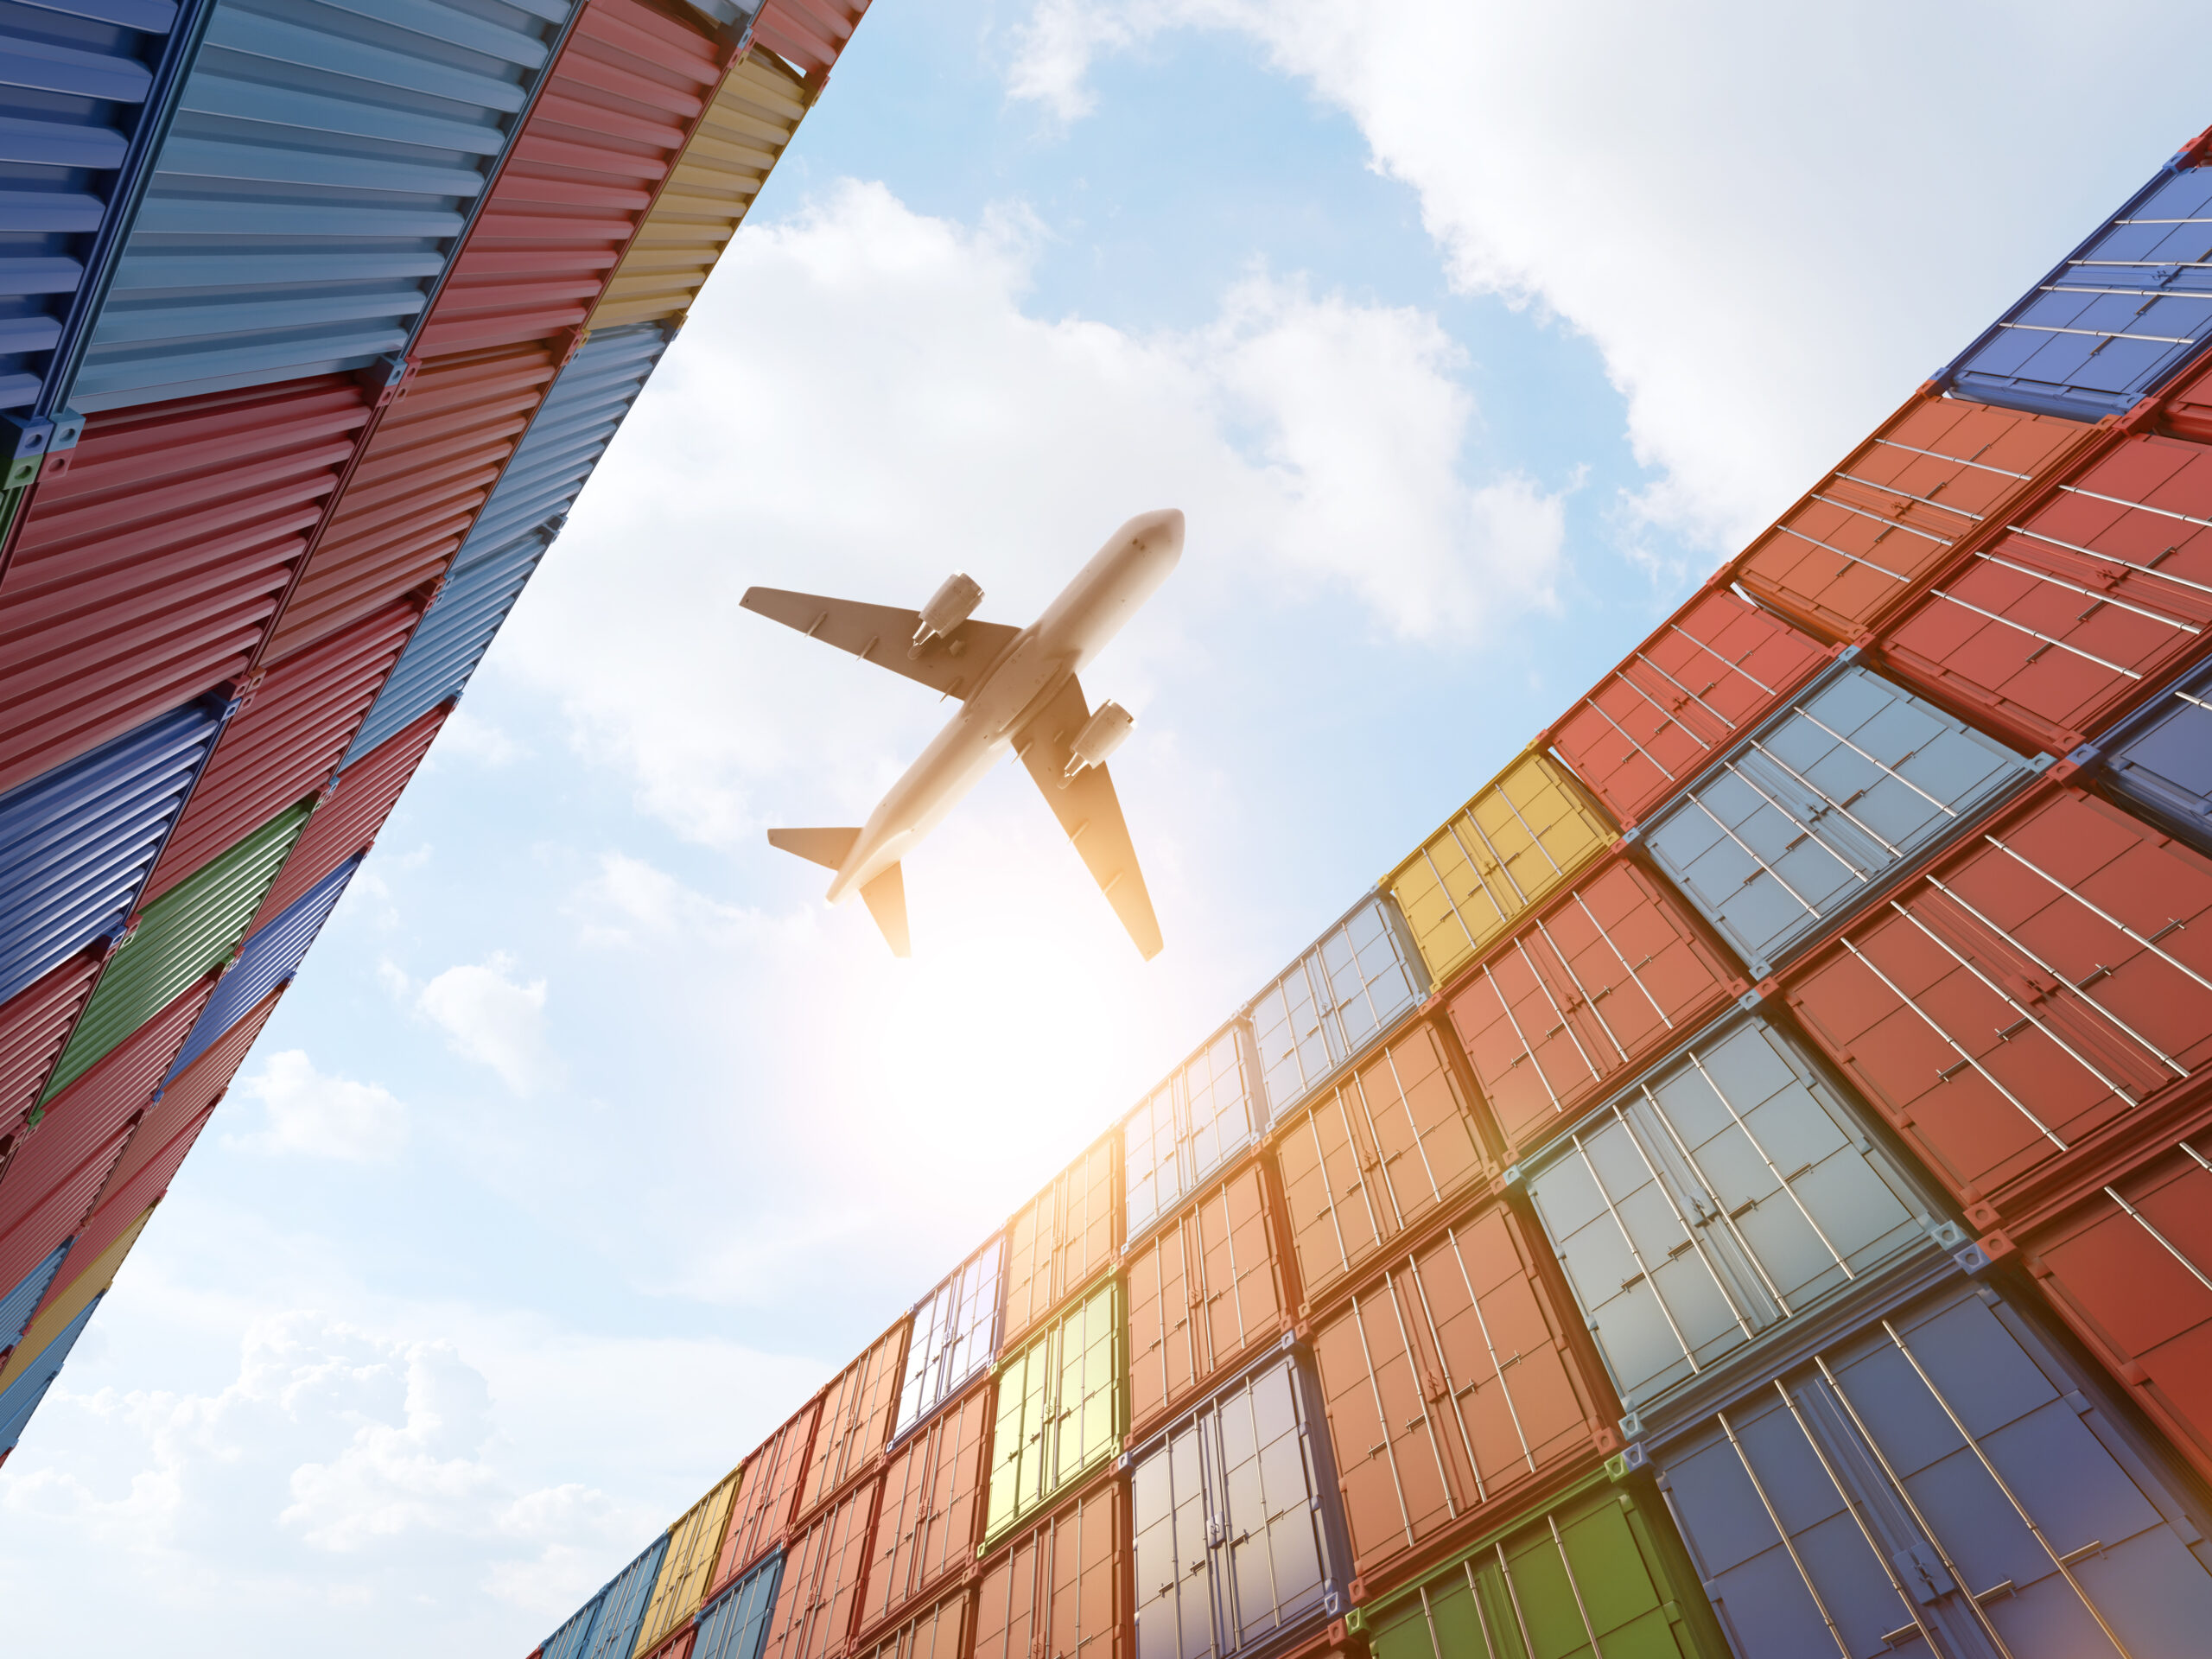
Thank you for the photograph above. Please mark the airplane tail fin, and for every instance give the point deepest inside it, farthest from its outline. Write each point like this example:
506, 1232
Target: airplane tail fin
826, 847
885, 897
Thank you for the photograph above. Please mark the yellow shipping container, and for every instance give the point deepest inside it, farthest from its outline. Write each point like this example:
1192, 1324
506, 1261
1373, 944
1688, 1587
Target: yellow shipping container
1523, 833
694, 1542
57, 1315
720, 171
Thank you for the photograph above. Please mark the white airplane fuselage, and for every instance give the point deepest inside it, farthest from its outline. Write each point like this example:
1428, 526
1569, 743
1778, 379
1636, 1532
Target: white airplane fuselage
1074, 628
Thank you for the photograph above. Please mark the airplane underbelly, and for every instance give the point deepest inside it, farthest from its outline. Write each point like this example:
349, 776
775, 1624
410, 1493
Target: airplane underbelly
941, 776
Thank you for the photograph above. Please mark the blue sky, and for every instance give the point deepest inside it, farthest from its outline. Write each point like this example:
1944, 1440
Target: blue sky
1468, 337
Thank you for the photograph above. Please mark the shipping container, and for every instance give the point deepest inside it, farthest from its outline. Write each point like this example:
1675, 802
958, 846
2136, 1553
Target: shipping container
2159, 760
2074, 610
1238, 1546
22, 1299
940, 1633
147, 573
1945, 1474
1059, 1588
1203, 1290
768, 1496
955, 1335
1064, 1237
2024, 999
126, 1197
695, 1543
567, 1642
270, 958
1794, 830
2130, 1269
677, 1646
1063, 1409
77, 843
189, 1094
1327, 1007
1696, 686
34, 1024
1600, 1573
67, 1301
424, 473
1607, 978
1526, 832
2116, 319
614, 1631
318, 176
736, 1625
754, 114
809, 34
1379, 1156
858, 1410
627, 88
1456, 1386
1866, 538
824, 1572
285, 742
1204, 1114
931, 1515
182, 936
351, 813
1717, 1199
23, 1396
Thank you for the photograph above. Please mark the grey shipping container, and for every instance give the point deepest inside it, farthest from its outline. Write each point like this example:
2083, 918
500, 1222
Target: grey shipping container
23, 1396
1726, 1194
77, 843
1944, 1474
1203, 1114
1336, 999
615, 1630
736, 1624
1804, 822
955, 1335
2159, 759
1238, 1545
22, 1300
319, 172
2119, 316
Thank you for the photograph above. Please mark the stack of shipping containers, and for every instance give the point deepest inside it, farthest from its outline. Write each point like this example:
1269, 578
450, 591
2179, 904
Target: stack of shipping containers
1741, 1185
318, 316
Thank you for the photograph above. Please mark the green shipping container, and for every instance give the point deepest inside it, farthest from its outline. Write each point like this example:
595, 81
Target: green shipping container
189, 929
1599, 1575
1063, 1409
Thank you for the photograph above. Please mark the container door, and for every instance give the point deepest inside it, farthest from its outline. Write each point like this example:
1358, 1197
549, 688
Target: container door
1018, 1448
1162, 1330
1239, 1296
1325, 1158
856, 1417
1390, 1451
1087, 1420
945, 1527
736, 1626
2166, 762
1795, 827
1267, 1534
1370, 982
1175, 1616
567, 1642
615, 1634
1290, 1030
766, 1493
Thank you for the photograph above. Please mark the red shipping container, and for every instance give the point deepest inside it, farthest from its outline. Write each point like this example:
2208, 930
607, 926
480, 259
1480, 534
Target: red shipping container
425, 472
600, 140
940, 1633
1064, 1237
1684, 695
1059, 1588
285, 742
809, 34
1864, 539
35, 1025
677, 1646
824, 1578
125, 1201
123, 1079
1607, 979
2185, 408
768, 1496
1375, 1158
353, 812
1457, 1385
857, 1409
57, 1208
2131, 1271
2012, 1009
199, 1086
1203, 1290
931, 1515
2072, 612
147, 571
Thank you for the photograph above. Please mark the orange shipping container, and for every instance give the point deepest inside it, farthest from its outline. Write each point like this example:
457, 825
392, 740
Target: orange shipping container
940, 1633
932, 1511
768, 1496
824, 1578
1064, 1237
1057, 1589
857, 1409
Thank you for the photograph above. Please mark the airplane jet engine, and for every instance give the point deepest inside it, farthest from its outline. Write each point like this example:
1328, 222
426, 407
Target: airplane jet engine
1101, 735
950, 606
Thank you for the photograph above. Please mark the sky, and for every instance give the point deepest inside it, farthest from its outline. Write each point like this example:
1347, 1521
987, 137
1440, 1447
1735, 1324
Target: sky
1468, 337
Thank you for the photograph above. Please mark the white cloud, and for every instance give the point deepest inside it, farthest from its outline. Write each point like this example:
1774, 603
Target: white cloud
472, 737
490, 1017
307, 1113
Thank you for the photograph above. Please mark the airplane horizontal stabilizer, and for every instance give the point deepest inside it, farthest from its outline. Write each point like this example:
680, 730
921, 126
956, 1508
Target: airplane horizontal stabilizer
825, 846
881, 634
886, 898
1090, 811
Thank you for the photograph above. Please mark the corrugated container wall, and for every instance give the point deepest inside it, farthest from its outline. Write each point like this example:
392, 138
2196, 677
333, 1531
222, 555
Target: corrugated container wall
269, 957
767, 1495
1059, 1588
615, 1633
693, 1543
1205, 1114
22, 1397
736, 1626
820, 1600
1062, 1409
932, 1514
955, 1335
858, 1408
22, 1300
1332, 1003
34, 1024
1061, 1239
66, 1302
351, 812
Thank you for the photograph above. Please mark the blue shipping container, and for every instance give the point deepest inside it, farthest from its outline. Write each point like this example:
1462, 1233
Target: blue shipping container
2159, 759
615, 1633
321, 167
736, 1625
78, 842
22, 1397
567, 1642
2119, 316
1335, 1000
270, 958
19, 1304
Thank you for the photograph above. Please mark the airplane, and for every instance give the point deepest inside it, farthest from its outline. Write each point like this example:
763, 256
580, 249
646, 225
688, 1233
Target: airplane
1017, 689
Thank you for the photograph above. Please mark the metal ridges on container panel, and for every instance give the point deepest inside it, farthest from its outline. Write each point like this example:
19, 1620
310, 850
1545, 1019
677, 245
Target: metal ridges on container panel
1344, 992
768, 1496
1064, 1238
755, 113
96, 1266
147, 572
859, 1408
269, 957
2159, 759
77, 843
1943, 1473
22, 1398
190, 1091
955, 1335
808, 34
736, 1624
2116, 319
615, 1633
694, 1542
352, 811
35, 1025
21, 1301
1062, 1409
931, 1517
1205, 1113
317, 180
617, 106
823, 1569
188, 931
940, 1632
55, 1179
1061, 1584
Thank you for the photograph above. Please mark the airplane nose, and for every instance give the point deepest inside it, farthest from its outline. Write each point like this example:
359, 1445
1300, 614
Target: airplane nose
1162, 531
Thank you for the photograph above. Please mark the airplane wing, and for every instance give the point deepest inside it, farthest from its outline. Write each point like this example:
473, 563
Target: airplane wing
1088, 810
880, 634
